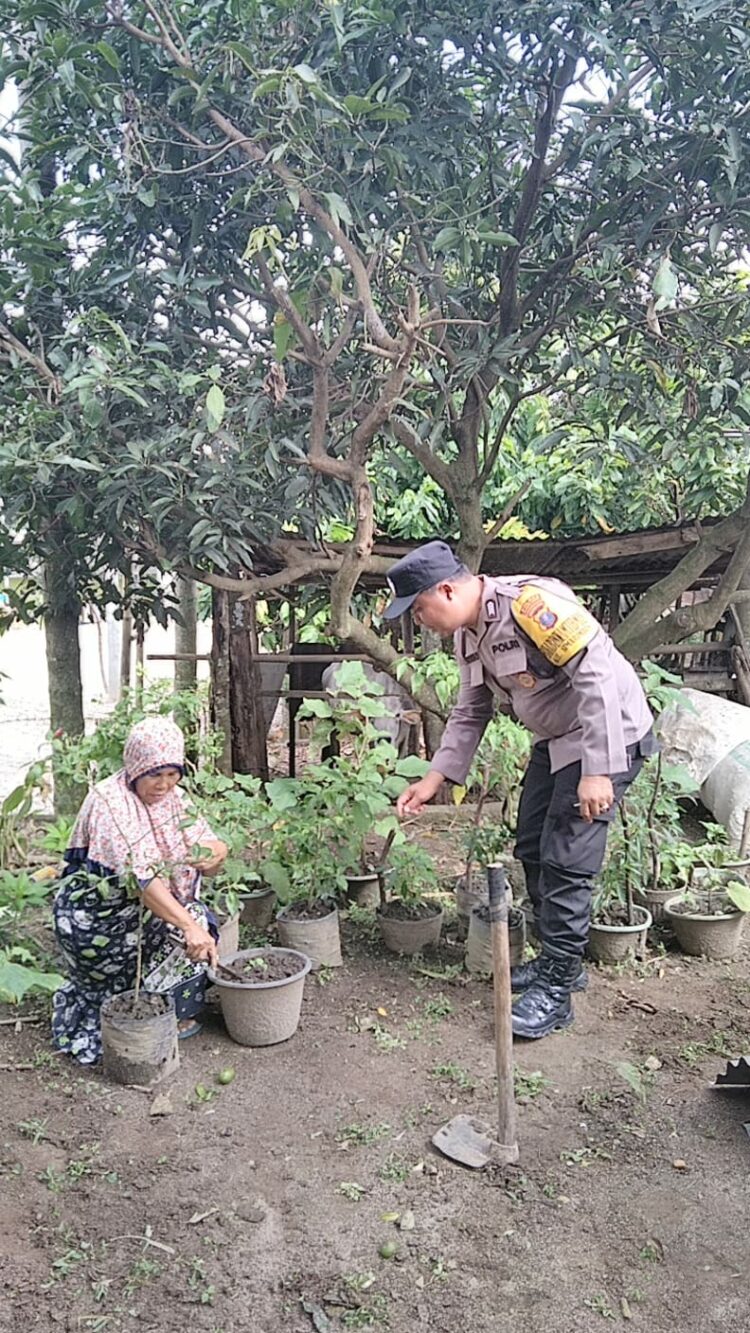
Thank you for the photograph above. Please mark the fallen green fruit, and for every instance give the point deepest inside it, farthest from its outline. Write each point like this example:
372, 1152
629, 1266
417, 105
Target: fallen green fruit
388, 1249
226, 1076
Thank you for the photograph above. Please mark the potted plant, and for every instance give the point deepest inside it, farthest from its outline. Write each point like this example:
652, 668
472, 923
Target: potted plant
478, 956
237, 809
619, 924
304, 870
495, 773
707, 916
260, 991
139, 1028
408, 922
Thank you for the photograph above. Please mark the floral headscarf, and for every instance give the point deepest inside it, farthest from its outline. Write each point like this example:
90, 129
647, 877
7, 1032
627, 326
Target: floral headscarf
119, 832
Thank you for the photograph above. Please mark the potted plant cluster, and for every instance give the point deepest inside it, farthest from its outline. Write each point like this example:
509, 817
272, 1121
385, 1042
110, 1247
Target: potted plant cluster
653, 873
409, 921
325, 821
707, 914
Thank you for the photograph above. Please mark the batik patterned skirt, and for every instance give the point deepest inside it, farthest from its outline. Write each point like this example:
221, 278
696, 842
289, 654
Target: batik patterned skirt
96, 925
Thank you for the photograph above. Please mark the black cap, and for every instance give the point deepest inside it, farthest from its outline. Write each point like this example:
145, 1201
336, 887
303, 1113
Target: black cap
418, 571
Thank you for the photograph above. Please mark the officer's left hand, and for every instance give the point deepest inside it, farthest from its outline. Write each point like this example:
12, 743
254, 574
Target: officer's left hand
595, 797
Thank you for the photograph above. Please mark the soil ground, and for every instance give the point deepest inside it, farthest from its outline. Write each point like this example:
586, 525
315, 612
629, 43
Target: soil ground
261, 1206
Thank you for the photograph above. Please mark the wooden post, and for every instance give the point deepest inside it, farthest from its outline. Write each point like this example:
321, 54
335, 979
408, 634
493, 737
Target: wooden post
291, 710
614, 608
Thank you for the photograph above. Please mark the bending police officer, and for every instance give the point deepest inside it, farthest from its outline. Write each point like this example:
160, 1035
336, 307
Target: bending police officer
526, 645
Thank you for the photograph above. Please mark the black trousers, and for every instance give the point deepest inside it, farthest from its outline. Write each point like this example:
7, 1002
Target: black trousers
561, 853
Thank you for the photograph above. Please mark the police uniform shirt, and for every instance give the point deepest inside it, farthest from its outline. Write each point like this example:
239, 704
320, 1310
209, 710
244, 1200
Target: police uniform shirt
544, 658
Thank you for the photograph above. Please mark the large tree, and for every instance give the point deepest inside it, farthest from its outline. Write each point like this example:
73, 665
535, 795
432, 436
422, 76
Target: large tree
330, 231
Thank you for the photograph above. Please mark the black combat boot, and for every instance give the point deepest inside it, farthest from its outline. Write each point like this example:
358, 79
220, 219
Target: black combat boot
526, 974
545, 1007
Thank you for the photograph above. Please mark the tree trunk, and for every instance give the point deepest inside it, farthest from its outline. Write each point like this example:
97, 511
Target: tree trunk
249, 750
221, 712
126, 652
63, 670
186, 635
236, 705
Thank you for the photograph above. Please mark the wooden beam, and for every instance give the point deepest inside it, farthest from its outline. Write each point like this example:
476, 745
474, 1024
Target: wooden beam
682, 649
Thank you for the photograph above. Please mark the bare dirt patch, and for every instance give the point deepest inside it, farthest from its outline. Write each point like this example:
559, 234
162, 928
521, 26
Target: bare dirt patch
264, 1205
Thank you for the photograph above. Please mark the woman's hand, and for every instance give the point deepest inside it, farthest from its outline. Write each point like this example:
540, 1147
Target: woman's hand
199, 945
214, 860
413, 800
217, 854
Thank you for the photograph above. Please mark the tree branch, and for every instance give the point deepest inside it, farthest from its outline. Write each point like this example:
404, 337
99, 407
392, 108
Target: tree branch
642, 631
14, 346
508, 307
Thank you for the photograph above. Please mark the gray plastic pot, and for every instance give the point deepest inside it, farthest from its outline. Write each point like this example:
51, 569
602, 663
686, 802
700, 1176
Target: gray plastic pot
654, 900
364, 890
140, 1051
319, 938
705, 936
478, 958
229, 935
261, 1013
613, 944
407, 937
468, 896
258, 909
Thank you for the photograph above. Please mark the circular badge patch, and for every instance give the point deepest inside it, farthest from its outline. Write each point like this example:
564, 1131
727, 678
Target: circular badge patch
526, 679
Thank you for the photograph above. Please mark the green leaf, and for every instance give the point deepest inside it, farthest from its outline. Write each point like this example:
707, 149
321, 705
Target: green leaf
109, 54
305, 73
497, 238
412, 767
446, 238
282, 794
633, 1077
16, 980
215, 407
665, 282
739, 894
338, 208
244, 53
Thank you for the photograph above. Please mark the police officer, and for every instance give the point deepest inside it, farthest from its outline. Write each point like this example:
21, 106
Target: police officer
527, 645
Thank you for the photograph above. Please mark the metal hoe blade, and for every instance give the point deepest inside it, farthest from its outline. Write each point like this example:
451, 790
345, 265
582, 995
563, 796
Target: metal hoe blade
466, 1140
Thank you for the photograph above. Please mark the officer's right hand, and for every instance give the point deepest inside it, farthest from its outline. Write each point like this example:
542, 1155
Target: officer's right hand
413, 800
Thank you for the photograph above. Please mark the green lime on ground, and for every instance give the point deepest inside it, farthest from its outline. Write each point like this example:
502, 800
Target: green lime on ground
388, 1249
226, 1076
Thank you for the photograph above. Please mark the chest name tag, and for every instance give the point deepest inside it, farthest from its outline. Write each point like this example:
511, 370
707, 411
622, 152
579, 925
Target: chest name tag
559, 628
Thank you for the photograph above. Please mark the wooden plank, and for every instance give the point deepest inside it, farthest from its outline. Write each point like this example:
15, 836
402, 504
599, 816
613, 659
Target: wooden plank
311, 657
639, 543
682, 649
179, 657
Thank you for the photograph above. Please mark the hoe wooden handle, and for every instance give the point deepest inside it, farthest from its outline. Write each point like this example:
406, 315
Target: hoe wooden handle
507, 1150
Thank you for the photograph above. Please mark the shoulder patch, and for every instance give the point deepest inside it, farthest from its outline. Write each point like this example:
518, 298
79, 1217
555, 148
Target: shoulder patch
559, 628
